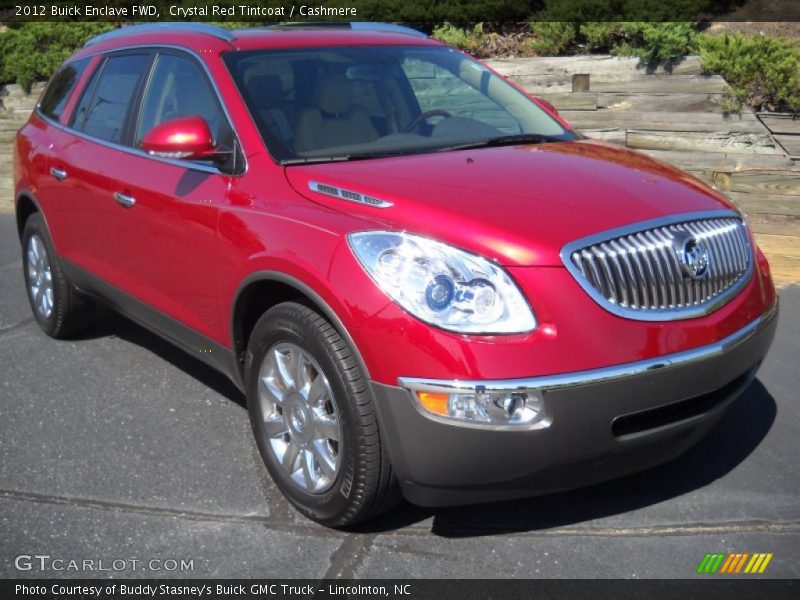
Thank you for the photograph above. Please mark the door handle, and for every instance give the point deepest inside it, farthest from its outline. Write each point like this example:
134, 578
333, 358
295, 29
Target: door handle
124, 200
59, 174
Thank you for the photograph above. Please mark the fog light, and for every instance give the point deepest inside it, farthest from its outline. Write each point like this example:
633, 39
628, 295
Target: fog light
480, 406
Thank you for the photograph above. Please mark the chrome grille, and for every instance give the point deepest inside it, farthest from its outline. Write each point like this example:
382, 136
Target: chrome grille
646, 272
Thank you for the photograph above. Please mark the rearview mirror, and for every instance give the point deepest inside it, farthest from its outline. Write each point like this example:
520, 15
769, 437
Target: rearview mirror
185, 137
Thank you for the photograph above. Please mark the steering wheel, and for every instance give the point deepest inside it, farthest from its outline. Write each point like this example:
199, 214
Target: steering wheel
424, 116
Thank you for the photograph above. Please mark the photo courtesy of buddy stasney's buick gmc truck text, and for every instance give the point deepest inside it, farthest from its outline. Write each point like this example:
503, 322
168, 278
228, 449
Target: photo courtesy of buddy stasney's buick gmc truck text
425, 282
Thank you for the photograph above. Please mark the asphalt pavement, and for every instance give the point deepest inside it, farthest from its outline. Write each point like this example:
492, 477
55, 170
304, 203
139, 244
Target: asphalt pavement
118, 446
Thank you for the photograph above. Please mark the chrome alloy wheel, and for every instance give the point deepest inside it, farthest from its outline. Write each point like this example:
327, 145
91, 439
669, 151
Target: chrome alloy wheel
300, 418
40, 277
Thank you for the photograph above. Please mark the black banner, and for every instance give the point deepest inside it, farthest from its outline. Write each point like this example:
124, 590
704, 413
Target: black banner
466, 589
418, 12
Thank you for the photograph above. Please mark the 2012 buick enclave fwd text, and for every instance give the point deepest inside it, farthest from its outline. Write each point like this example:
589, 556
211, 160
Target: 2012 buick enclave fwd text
425, 282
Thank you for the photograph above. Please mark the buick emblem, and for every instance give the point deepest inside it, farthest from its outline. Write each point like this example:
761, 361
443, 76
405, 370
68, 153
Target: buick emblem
694, 257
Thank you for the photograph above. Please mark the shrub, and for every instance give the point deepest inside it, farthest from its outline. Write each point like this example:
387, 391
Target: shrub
469, 40
653, 11
553, 37
32, 51
762, 72
653, 43
658, 43
602, 36
422, 12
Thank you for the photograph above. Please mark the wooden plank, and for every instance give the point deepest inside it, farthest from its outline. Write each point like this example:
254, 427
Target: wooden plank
775, 225
667, 84
782, 281
665, 121
596, 65
13, 98
785, 269
779, 245
734, 143
778, 123
545, 84
571, 101
788, 206
609, 134
581, 82
661, 102
791, 143
628, 83
767, 183
723, 161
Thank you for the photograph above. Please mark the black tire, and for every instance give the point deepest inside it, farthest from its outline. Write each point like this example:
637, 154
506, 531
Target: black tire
69, 312
365, 485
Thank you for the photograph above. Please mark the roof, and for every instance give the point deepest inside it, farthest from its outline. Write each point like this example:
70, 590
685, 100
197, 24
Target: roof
285, 35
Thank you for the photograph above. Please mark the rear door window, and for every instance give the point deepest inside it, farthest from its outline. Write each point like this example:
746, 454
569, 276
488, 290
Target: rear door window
60, 88
111, 98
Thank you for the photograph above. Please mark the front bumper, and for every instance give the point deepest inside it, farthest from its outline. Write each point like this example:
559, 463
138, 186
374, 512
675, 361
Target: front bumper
601, 424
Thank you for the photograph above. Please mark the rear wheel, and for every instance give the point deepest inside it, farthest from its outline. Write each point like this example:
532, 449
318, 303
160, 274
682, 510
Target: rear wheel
314, 419
57, 306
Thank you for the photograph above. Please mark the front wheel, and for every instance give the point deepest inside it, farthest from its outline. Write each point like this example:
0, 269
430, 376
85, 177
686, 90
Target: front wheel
314, 419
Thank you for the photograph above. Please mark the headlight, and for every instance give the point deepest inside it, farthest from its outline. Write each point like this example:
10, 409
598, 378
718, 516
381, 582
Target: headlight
442, 285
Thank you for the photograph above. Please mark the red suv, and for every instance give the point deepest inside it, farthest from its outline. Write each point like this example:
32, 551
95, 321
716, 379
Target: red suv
426, 283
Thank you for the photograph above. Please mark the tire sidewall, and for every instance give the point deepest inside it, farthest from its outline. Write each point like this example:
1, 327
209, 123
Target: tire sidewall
35, 226
279, 326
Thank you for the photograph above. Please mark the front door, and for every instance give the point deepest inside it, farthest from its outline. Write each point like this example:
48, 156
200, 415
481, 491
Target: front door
168, 258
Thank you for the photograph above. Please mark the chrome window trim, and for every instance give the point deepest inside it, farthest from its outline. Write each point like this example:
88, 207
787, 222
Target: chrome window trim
136, 151
596, 376
654, 315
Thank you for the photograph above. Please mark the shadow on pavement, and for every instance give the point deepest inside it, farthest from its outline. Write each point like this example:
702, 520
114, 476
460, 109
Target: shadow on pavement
739, 432
110, 323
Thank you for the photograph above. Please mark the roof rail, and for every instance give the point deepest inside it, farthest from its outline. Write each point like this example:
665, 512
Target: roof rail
212, 30
356, 25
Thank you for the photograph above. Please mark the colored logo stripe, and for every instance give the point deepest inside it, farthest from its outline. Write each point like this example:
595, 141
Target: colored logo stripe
734, 563
758, 563
710, 563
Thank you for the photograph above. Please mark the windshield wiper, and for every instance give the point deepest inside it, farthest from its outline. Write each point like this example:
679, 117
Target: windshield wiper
504, 140
355, 156
307, 160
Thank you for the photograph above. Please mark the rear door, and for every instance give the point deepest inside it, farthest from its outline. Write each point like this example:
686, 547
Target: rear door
54, 190
86, 158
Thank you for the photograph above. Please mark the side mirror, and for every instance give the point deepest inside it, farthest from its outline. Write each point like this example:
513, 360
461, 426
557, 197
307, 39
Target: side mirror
185, 137
547, 106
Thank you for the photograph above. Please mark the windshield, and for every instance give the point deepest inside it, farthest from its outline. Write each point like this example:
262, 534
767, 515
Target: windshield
339, 103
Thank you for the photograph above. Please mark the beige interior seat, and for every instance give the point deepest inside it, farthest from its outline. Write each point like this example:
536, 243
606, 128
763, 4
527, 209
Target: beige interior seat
333, 120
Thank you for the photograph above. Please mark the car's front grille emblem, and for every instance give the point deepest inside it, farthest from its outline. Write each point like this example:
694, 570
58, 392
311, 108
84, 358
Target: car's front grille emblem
667, 269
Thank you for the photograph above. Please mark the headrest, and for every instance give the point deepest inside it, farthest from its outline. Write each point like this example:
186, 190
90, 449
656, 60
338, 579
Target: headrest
267, 90
333, 93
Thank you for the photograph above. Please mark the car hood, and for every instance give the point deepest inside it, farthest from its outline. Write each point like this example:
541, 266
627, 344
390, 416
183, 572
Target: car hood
518, 205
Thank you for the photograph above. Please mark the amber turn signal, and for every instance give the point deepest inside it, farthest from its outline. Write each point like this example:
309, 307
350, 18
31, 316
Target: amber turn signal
436, 403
